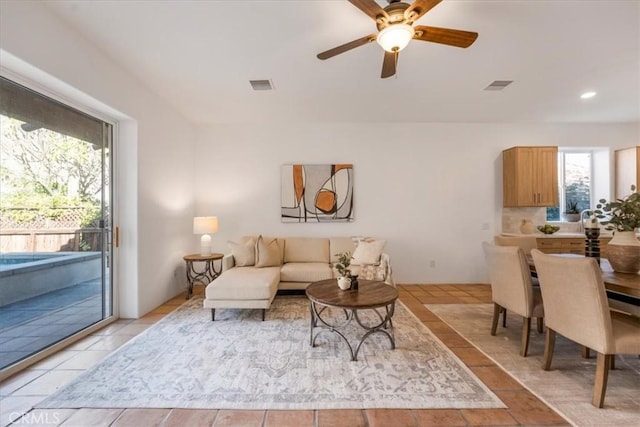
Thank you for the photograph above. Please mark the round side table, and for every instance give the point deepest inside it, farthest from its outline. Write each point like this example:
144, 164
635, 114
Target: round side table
205, 276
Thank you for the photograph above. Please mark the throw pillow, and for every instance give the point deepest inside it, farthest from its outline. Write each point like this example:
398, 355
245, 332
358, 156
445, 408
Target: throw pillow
267, 252
368, 252
372, 272
244, 254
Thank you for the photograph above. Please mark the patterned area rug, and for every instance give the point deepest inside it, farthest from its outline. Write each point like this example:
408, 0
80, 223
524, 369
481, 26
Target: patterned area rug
568, 386
240, 362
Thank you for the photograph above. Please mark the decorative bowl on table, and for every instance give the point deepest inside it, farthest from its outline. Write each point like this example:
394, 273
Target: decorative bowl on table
548, 228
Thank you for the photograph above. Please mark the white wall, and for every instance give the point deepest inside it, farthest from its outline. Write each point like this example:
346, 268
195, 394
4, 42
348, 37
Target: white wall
429, 189
154, 174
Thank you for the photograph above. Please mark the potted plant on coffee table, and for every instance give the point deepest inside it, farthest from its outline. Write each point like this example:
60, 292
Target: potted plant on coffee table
344, 273
623, 217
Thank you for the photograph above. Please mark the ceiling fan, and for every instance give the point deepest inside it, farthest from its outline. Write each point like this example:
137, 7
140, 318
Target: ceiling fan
395, 31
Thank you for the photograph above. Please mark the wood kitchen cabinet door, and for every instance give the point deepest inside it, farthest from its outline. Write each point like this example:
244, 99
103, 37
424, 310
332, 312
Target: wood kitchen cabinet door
530, 176
627, 169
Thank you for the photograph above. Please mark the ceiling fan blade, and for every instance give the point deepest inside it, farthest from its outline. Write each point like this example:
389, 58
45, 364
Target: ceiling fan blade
420, 7
389, 64
347, 46
370, 7
457, 38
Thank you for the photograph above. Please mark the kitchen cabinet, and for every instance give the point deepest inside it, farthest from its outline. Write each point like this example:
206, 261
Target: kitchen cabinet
530, 176
627, 170
568, 245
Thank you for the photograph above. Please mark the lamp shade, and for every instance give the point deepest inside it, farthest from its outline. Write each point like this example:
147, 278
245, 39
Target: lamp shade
205, 224
395, 37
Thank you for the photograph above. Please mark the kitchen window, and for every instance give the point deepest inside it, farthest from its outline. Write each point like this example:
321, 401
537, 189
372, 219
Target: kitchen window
574, 183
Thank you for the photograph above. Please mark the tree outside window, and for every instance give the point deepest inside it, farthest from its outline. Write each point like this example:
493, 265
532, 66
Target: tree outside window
47, 178
574, 180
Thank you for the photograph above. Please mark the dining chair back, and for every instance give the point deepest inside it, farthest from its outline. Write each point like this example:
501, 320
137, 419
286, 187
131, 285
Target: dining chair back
576, 306
511, 288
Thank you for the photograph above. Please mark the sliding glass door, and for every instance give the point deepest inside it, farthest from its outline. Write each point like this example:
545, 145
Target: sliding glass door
55, 222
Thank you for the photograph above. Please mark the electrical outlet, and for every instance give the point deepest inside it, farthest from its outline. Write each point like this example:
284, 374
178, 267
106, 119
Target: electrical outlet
485, 225
432, 264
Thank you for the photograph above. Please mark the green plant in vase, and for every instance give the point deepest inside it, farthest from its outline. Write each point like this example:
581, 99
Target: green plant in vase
572, 213
344, 273
620, 214
572, 207
344, 261
623, 217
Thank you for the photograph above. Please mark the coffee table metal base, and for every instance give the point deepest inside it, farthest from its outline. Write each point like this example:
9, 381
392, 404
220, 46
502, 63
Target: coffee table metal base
384, 327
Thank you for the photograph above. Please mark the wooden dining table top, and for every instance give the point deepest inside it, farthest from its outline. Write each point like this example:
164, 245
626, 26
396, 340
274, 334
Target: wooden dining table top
624, 283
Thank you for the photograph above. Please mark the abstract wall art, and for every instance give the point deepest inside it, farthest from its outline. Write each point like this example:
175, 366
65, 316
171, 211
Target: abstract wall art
317, 193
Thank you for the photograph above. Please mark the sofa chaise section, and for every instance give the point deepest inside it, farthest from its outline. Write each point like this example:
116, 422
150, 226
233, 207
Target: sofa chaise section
243, 287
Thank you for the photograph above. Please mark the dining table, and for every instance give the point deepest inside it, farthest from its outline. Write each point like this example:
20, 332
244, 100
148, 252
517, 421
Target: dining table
620, 286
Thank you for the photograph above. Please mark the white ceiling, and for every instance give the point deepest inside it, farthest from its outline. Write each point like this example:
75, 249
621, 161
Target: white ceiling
200, 56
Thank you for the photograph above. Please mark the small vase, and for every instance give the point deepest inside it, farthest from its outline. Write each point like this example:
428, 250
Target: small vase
344, 283
623, 252
526, 227
354, 283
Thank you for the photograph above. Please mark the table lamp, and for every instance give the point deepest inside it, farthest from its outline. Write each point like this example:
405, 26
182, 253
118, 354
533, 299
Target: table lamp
205, 225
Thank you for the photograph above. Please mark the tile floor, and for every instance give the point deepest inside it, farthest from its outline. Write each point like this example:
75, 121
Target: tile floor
28, 326
27, 388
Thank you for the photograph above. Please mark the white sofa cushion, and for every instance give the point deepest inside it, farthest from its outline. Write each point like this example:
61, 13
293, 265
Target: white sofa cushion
245, 283
280, 243
368, 252
306, 249
305, 272
267, 252
244, 254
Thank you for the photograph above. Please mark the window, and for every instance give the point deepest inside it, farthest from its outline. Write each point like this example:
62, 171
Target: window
574, 181
55, 212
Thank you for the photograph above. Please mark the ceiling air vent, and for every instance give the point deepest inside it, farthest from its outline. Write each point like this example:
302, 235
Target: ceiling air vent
261, 84
498, 84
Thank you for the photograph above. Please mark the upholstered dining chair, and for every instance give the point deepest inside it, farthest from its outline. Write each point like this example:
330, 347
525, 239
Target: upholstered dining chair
511, 288
576, 307
526, 242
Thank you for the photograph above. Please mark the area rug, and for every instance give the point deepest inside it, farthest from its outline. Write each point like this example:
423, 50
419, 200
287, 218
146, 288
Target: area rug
240, 362
568, 386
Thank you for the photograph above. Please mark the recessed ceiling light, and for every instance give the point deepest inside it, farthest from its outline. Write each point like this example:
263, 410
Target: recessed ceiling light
588, 95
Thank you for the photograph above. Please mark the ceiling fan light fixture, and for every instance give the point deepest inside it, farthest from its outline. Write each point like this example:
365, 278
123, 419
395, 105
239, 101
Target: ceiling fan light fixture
395, 37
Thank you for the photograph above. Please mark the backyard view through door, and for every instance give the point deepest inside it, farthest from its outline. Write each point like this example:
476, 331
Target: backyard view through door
55, 222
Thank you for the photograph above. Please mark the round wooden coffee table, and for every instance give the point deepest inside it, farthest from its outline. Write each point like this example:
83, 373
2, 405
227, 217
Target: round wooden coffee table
371, 295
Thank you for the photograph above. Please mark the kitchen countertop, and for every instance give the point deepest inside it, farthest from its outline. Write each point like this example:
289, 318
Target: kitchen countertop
559, 235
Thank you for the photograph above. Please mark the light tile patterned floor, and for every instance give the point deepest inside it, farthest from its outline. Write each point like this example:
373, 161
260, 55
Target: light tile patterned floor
23, 390
28, 326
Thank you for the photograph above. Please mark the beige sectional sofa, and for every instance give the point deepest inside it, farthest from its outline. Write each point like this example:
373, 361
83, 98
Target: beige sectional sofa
258, 267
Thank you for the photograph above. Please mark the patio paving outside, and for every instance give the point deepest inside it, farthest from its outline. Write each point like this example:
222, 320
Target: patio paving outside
31, 325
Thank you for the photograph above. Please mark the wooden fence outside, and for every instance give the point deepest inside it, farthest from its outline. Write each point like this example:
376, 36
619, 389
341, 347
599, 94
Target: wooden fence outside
51, 240
60, 229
